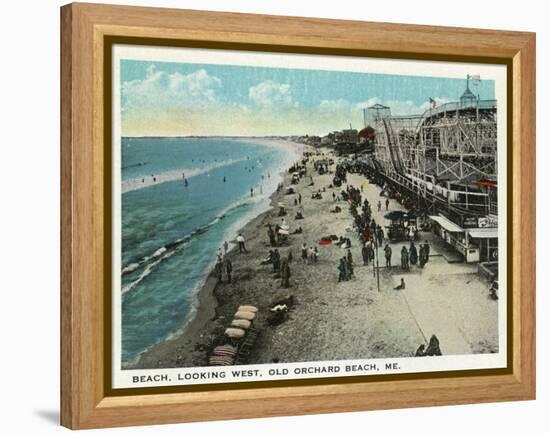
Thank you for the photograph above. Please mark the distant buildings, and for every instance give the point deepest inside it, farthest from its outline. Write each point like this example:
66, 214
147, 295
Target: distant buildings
312, 140
350, 140
345, 141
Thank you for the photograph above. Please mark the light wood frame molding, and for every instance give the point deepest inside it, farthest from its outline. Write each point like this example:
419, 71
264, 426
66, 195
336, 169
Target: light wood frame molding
84, 402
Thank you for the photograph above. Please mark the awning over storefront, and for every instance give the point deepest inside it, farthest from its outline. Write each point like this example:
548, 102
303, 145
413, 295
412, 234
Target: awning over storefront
486, 233
446, 224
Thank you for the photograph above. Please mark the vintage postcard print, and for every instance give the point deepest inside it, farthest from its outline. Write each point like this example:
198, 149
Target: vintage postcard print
288, 216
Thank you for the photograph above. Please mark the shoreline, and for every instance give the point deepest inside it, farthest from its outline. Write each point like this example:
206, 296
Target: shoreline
206, 303
196, 331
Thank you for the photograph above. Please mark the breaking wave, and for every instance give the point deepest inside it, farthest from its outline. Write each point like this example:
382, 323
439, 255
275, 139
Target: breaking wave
173, 175
147, 263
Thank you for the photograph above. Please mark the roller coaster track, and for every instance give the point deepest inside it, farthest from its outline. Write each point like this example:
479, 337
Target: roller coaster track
432, 202
393, 147
400, 178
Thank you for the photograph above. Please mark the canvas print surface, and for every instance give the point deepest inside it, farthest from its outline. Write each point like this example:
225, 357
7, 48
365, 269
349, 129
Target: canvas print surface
281, 216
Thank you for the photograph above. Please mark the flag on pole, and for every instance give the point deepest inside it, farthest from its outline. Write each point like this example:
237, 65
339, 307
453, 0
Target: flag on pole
474, 79
433, 104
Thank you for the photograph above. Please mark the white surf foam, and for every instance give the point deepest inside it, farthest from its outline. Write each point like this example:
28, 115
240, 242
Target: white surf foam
173, 175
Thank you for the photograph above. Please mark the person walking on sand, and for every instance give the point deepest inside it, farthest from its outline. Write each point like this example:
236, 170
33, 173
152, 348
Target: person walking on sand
315, 255
379, 205
349, 257
426, 252
372, 247
311, 255
413, 254
299, 198
404, 258
380, 235
349, 264
387, 203
365, 254
228, 269
276, 260
285, 274
387, 254
219, 269
421, 256
304, 253
341, 273
240, 242
271, 235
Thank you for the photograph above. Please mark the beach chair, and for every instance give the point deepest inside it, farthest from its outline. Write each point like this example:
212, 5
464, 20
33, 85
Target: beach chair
246, 346
247, 315
225, 350
234, 333
241, 323
221, 360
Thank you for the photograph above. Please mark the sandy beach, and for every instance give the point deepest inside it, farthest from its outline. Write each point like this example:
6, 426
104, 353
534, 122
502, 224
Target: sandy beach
331, 320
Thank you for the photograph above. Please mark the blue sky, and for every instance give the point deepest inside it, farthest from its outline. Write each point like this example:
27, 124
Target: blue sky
161, 98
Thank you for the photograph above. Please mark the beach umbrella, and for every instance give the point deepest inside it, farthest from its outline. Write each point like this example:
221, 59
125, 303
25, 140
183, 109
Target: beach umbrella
395, 215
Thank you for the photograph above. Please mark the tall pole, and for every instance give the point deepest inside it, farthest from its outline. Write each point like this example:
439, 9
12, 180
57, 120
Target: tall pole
373, 268
377, 268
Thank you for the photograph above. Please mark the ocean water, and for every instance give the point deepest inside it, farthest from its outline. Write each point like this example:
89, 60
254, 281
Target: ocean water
171, 232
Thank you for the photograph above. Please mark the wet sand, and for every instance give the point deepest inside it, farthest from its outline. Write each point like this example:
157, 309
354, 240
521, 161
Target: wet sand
331, 320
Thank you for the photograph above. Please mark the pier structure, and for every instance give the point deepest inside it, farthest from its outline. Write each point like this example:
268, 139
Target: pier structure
445, 161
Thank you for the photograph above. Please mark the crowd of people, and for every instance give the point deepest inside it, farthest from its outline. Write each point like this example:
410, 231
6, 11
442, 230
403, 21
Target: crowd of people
412, 256
371, 234
223, 267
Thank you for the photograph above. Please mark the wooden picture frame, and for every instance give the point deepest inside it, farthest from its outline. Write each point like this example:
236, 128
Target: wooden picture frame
85, 32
